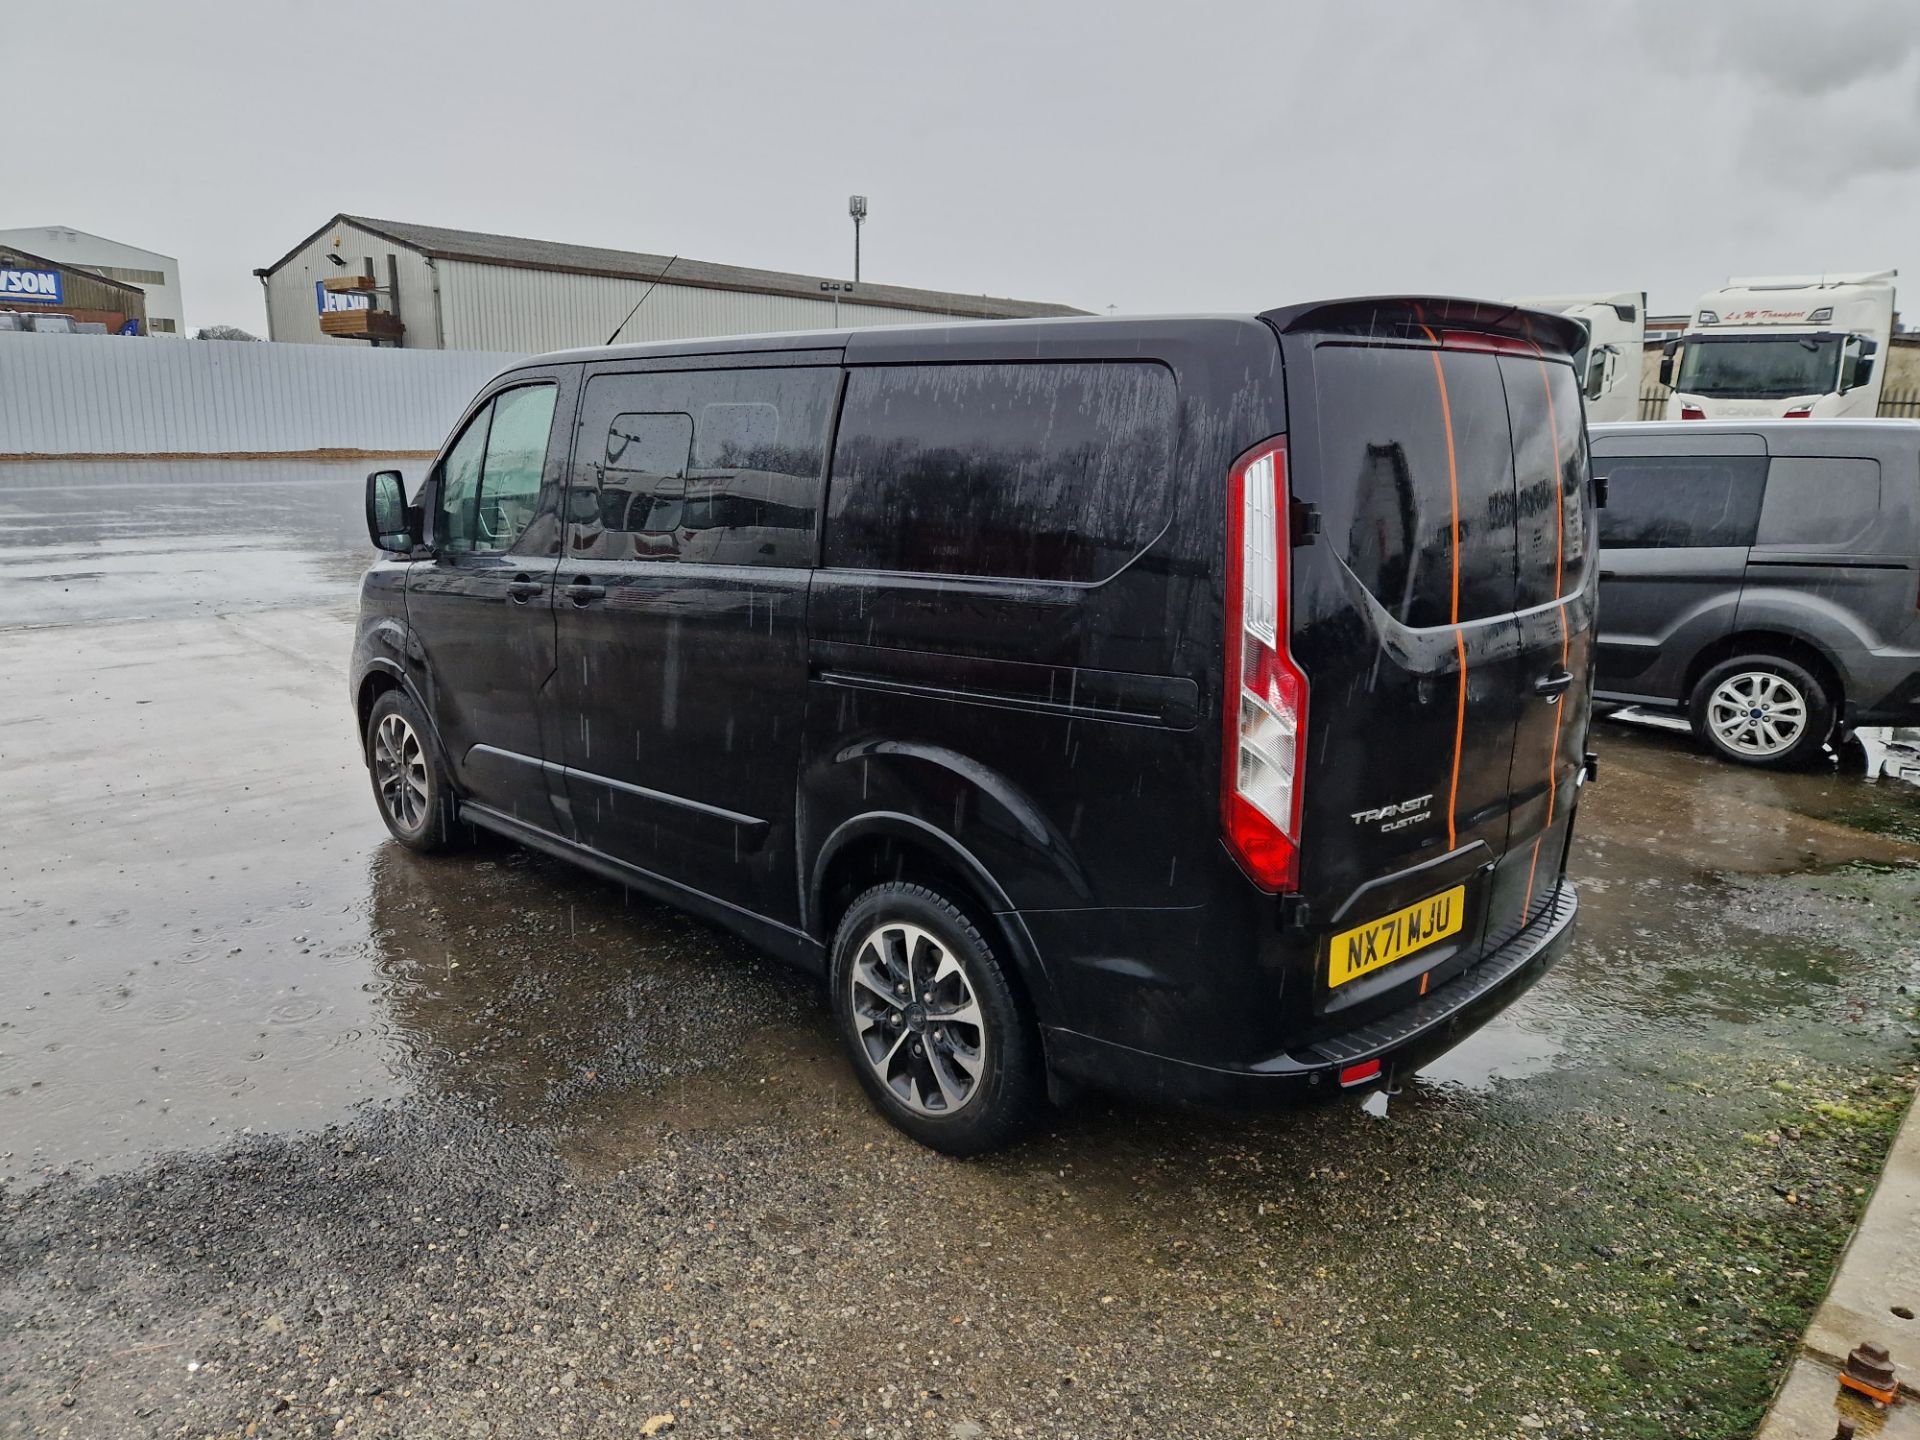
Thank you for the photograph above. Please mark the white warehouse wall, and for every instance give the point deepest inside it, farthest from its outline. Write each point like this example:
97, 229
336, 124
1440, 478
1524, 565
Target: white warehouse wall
108, 395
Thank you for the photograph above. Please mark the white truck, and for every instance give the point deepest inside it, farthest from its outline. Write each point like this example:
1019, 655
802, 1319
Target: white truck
1616, 326
1789, 346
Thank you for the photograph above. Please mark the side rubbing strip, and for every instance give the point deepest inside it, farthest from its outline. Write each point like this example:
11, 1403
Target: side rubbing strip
1459, 640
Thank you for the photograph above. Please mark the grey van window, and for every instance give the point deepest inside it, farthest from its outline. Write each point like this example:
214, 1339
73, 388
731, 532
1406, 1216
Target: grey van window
1029, 471
1387, 486
1681, 501
1819, 500
715, 466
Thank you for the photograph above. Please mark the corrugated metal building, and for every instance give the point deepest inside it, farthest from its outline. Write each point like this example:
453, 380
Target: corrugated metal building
461, 290
157, 275
83, 296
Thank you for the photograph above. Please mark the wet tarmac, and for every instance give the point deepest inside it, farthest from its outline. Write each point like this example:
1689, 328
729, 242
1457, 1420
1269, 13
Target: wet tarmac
408, 1143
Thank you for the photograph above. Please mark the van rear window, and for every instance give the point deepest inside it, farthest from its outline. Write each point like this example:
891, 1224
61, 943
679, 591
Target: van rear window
1025, 471
1390, 482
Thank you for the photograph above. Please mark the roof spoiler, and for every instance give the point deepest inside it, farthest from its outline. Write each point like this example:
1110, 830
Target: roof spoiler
1404, 317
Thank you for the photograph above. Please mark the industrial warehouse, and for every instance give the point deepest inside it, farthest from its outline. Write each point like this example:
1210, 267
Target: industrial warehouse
421, 287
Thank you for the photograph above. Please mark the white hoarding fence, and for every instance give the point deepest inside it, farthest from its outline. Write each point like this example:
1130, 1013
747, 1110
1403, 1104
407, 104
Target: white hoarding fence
107, 395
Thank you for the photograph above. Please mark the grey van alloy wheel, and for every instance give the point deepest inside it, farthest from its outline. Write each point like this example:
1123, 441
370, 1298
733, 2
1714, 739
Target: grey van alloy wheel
1763, 710
919, 1022
1757, 712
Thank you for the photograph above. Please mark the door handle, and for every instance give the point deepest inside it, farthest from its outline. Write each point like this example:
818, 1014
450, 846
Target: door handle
523, 588
1553, 686
585, 592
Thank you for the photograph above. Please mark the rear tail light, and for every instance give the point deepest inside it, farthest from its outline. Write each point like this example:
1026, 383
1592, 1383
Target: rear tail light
1265, 706
1797, 414
1692, 412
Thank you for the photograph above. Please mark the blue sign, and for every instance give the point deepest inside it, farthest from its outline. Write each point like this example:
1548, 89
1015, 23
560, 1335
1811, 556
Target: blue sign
42, 287
326, 301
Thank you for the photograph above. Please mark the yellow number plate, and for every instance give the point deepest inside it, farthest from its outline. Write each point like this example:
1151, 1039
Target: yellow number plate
1365, 948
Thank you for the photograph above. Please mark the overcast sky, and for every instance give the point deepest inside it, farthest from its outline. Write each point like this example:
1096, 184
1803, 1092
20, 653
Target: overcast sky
1150, 156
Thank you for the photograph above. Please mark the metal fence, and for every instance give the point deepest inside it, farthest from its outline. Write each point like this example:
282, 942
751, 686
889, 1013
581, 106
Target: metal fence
1895, 404
108, 395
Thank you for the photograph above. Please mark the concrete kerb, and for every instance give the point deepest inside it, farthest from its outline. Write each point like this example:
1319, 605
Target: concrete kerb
1874, 1297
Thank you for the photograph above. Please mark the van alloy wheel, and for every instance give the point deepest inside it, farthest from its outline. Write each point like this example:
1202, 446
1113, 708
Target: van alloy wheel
919, 1022
1758, 713
400, 771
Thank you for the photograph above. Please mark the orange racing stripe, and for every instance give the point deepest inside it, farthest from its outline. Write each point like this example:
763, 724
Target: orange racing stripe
1459, 641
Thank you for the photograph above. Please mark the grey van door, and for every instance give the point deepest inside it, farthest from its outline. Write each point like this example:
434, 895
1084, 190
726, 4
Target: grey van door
1680, 516
680, 608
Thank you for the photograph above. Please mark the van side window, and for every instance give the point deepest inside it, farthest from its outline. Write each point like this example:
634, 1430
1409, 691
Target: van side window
1550, 471
1391, 477
1027, 471
719, 466
1681, 501
1819, 501
490, 484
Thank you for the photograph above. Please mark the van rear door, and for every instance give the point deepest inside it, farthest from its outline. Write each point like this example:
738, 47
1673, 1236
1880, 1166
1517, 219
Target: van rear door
1428, 622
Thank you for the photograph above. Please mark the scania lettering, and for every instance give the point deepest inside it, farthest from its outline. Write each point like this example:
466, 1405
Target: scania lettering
1789, 347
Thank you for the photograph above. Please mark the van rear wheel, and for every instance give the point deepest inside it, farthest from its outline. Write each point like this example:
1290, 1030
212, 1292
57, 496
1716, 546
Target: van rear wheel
1763, 710
939, 1037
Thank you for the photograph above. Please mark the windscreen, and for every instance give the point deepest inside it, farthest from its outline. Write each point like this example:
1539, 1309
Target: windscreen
1760, 365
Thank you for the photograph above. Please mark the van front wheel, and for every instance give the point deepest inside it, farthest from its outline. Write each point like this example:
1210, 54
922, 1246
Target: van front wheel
1762, 710
410, 784
939, 1037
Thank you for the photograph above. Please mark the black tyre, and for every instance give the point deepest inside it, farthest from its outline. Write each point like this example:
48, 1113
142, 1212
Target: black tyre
1763, 710
939, 1036
410, 783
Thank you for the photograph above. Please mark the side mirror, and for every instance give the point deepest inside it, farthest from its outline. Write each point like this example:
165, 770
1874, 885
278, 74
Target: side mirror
391, 524
1666, 364
1599, 491
1863, 372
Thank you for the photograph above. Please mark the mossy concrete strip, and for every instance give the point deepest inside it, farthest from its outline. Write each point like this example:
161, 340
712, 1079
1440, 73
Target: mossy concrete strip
1811, 1406
1875, 1294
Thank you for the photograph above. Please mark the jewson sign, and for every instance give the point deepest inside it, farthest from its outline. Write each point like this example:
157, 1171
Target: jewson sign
327, 301
42, 287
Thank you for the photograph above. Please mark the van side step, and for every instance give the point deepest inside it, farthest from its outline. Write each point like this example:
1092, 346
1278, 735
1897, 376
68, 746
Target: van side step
1458, 993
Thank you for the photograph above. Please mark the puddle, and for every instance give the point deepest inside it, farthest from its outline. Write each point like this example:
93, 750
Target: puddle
207, 931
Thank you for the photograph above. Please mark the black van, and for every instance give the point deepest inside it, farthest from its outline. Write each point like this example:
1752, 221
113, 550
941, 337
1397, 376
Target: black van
1763, 576
1195, 707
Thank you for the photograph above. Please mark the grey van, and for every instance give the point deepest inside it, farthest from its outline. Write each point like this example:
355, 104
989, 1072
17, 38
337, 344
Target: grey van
1763, 577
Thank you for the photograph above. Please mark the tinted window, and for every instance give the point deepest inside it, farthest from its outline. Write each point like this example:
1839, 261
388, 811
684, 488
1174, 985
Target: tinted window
490, 485
1819, 501
1550, 471
1390, 477
1666, 501
707, 465
1046, 472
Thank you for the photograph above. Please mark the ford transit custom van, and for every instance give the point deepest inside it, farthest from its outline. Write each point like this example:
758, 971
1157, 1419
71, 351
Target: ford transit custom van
1188, 707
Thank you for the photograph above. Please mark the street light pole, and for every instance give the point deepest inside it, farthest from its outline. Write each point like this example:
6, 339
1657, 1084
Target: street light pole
857, 208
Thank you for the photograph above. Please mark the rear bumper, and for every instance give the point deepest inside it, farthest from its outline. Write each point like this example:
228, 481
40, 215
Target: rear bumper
1403, 1041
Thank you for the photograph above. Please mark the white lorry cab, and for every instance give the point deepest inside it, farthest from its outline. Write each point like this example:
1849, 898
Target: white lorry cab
1609, 367
1791, 347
